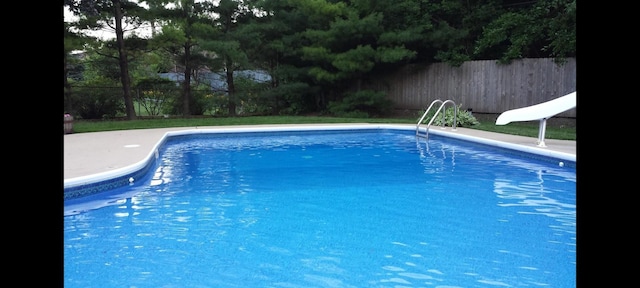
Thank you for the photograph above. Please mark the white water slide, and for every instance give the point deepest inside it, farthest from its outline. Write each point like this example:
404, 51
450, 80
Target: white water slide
541, 112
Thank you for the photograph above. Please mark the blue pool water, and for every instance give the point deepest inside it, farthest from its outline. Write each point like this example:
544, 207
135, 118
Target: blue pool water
375, 208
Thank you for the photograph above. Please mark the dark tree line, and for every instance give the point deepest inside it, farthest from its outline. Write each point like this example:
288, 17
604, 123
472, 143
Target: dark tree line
317, 52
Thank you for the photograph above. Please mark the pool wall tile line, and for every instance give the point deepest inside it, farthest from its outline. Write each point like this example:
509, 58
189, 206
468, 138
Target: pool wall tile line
105, 185
96, 183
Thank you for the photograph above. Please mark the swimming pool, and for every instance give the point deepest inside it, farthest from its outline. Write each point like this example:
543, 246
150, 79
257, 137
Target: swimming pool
343, 208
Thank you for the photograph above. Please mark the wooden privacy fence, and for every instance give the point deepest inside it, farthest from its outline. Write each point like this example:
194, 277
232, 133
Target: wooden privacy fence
484, 86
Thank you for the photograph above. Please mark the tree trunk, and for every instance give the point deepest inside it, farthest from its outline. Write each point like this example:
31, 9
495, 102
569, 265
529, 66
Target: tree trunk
231, 89
186, 88
124, 64
275, 82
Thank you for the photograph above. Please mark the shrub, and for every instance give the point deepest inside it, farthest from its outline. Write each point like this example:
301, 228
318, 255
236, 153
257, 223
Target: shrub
362, 104
94, 101
292, 98
201, 101
153, 94
464, 118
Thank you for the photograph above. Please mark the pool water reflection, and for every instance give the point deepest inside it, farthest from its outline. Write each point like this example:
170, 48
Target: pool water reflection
340, 209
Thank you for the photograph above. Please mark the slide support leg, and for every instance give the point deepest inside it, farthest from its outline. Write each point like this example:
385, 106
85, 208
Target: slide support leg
541, 131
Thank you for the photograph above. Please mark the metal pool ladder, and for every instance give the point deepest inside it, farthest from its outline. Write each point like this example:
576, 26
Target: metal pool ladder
455, 117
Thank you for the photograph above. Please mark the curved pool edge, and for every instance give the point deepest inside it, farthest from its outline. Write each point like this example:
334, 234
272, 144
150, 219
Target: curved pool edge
90, 184
502, 144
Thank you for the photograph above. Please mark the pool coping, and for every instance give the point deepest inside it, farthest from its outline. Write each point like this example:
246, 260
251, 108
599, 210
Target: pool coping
88, 184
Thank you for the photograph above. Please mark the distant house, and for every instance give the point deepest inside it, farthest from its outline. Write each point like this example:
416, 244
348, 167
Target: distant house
217, 81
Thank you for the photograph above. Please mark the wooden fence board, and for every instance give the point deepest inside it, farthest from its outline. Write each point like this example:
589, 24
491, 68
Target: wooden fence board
484, 86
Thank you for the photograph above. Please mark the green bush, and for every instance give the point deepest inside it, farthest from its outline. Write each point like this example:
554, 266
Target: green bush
200, 102
463, 118
154, 93
293, 98
362, 104
93, 101
219, 104
248, 94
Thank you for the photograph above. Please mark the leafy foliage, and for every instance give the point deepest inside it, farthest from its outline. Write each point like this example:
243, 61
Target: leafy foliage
97, 103
362, 104
153, 94
200, 102
328, 47
463, 118
546, 29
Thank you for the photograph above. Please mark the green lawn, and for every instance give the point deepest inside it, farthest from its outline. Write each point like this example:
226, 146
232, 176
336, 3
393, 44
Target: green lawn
529, 129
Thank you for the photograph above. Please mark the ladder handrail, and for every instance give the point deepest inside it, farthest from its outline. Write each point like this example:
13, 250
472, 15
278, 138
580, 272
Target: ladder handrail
425, 114
455, 116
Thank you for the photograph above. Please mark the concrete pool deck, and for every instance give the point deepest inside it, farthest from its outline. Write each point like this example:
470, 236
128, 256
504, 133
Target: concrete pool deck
97, 152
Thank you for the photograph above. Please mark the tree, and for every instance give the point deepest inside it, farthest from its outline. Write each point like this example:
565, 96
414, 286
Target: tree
186, 22
110, 14
355, 42
318, 51
546, 28
276, 41
72, 41
455, 26
98, 94
227, 44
